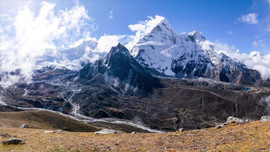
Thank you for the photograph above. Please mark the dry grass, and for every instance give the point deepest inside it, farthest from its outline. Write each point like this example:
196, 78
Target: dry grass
42, 120
254, 136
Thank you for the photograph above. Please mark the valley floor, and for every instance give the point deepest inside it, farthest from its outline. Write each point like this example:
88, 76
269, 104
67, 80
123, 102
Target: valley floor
254, 136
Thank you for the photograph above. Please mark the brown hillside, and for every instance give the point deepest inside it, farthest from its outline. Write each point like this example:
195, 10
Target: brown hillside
42, 120
254, 136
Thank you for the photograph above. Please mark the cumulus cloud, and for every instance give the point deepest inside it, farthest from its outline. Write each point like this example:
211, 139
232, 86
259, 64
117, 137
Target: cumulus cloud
111, 15
106, 42
35, 35
250, 18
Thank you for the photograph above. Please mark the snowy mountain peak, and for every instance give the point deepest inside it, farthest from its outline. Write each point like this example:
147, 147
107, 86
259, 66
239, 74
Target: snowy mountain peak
163, 26
194, 35
161, 31
161, 35
153, 23
189, 55
120, 49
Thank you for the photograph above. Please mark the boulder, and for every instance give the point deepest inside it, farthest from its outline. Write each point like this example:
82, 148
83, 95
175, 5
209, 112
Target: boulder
24, 126
53, 131
181, 129
220, 126
265, 118
106, 131
12, 141
232, 119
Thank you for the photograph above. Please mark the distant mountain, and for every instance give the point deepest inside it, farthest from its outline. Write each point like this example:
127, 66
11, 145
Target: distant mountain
189, 56
73, 58
121, 71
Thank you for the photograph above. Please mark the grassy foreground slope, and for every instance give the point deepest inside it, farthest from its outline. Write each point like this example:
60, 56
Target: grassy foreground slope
42, 120
254, 136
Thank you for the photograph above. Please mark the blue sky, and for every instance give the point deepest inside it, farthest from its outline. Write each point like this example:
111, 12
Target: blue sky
219, 20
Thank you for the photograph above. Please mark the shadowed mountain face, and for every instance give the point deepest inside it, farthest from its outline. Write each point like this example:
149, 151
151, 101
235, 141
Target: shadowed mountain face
122, 72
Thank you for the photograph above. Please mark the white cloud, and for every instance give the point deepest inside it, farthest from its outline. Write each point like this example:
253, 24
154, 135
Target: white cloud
250, 18
145, 27
106, 42
36, 35
223, 48
259, 43
111, 15
142, 28
255, 60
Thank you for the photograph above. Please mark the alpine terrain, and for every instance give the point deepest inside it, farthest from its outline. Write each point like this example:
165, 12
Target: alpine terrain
166, 82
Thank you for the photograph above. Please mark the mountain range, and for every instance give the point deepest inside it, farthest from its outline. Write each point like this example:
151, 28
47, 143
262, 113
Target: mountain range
167, 81
169, 54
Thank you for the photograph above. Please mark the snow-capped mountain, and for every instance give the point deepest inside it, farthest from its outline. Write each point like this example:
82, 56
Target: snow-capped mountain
166, 53
188, 55
73, 58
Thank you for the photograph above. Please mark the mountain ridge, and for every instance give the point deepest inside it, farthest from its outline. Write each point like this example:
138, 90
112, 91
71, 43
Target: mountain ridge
120, 70
189, 56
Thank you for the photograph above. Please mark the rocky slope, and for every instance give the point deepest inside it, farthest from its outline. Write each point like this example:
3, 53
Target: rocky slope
122, 72
188, 104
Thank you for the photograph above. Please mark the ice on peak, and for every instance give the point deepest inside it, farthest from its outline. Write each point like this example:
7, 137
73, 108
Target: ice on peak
145, 27
196, 35
153, 23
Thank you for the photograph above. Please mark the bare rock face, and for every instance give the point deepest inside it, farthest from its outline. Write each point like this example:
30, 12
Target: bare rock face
230, 70
122, 72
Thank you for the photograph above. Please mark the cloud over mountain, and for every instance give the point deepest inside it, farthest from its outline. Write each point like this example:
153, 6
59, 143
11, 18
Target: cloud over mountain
37, 34
255, 60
